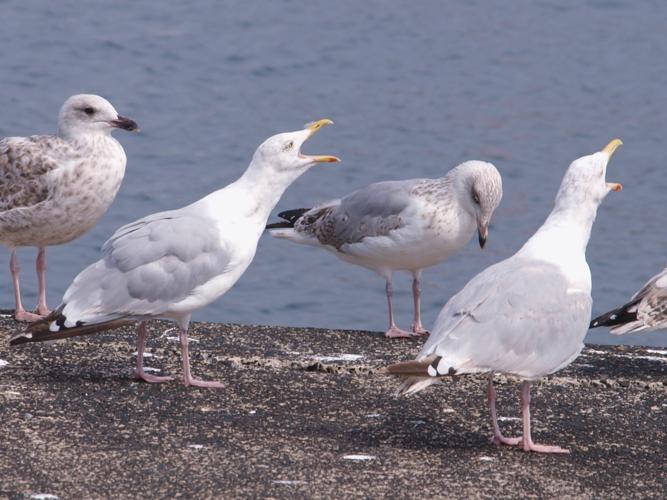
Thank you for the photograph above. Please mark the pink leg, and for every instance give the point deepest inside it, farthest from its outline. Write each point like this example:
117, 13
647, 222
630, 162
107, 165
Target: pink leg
393, 331
21, 314
497, 438
139, 373
527, 440
187, 376
42, 308
417, 327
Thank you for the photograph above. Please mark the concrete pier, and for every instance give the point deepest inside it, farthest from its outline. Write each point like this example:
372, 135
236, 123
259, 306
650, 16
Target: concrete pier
306, 415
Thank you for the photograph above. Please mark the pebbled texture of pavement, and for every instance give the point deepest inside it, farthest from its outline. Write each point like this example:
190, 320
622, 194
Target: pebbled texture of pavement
304, 414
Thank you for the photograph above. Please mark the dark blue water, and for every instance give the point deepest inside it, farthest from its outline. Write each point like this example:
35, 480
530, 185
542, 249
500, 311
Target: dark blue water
414, 89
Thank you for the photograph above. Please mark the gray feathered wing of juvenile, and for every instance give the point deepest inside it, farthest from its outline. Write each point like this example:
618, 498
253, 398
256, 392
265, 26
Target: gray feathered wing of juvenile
646, 310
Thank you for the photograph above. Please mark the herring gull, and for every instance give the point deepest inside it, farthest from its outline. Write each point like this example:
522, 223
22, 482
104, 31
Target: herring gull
55, 188
401, 225
646, 311
527, 315
169, 264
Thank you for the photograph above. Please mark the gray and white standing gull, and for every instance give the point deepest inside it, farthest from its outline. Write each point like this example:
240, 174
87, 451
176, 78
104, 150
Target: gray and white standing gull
169, 264
401, 225
527, 315
54, 188
646, 310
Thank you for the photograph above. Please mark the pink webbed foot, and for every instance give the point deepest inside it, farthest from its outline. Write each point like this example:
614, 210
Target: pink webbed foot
419, 330
151, 379
27, 316
499, 439
542, 448
202, 383
396, 332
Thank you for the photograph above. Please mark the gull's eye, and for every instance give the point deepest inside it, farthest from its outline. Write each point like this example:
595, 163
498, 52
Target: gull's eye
90, 111
475, 198
288, 146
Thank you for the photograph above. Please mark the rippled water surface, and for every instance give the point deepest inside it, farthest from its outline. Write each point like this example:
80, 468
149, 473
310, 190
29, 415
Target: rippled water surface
414, 89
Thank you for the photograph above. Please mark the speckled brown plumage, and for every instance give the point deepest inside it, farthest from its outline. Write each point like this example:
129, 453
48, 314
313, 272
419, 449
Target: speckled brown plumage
54, 188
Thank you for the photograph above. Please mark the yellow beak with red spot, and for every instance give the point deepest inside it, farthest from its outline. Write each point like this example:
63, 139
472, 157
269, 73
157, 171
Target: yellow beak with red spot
314, 127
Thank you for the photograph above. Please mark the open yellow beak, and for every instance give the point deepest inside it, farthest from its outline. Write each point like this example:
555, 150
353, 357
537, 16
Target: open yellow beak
610, 149
313, 127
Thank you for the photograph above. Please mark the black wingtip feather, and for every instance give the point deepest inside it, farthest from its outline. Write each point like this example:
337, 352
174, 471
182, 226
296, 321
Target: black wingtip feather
39, 330
279, 225
291, 216
615, 317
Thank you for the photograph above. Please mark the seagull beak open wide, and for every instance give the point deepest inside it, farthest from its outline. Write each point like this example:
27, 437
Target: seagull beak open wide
610, 149
313, 127
125, 124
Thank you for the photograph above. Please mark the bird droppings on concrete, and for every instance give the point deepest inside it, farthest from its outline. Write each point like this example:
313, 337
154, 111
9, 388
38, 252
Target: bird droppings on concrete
95, 432
339, 357
359, 458
146, 354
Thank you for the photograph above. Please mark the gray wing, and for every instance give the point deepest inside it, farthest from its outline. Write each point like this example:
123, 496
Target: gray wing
646, 310
25, 163
372, 211
147, 267
518, 317
652, 309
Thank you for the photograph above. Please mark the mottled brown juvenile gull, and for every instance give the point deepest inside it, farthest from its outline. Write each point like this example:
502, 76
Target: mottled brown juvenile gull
55, 188
646, 311
527, 315
169, 264
401, 225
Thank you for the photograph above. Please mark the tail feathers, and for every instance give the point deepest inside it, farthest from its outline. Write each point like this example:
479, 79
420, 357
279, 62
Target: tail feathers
412, 385
620, 316
290, 216
419, 374
631, 327
41, 331
411, 368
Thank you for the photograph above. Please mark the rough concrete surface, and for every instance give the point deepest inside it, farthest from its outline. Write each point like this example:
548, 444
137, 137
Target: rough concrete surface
306, 415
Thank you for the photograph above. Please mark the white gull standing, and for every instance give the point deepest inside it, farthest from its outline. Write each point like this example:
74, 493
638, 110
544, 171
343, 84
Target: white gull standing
401, 225
169, 264
646, 311
527, 315
53, 189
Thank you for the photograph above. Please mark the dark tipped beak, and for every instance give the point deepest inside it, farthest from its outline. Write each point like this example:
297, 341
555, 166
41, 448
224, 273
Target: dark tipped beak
483, 232
125, 124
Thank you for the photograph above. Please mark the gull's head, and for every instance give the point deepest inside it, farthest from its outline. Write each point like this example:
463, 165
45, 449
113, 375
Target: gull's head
480, 189
87, 113
585, 179
283, 151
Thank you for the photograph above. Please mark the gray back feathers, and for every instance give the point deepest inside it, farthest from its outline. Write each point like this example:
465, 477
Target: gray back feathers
371, 211
499, 323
